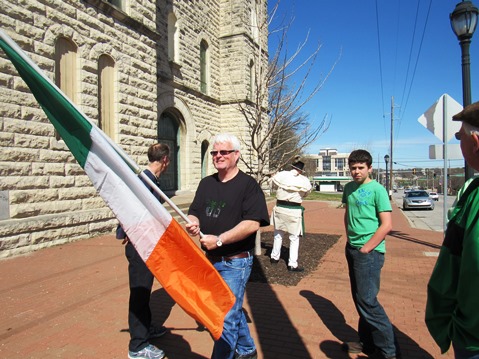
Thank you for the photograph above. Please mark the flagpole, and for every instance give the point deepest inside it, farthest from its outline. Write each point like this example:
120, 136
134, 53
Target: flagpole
164, 196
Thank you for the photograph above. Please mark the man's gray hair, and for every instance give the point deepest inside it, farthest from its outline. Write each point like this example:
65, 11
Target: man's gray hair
470, 129
227, 137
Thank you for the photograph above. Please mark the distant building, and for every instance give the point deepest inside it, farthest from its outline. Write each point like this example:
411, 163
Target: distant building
332, 170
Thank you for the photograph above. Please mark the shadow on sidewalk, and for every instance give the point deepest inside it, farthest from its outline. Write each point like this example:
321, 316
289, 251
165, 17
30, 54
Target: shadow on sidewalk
334, 320
161, 305
336, 323
274, 328
408, 237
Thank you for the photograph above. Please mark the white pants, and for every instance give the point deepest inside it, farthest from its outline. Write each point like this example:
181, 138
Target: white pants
293, 247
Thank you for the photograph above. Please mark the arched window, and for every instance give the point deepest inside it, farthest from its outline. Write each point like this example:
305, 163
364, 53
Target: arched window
204, 158
173, 39
66, 69
252, 81
106, 95
254, 21
204, 67
168, 133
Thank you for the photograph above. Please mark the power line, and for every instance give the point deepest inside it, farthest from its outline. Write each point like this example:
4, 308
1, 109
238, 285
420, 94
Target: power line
417, 57
380, 64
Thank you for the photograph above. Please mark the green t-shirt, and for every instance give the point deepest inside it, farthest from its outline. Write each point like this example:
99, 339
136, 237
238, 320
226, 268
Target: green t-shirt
365, 202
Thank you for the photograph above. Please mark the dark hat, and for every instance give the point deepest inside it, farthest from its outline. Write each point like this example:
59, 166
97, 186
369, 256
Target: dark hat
298, 166
470, 115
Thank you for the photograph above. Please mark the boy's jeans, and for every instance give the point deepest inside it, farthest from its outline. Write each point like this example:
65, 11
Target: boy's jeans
374, 329
461, 353
236, 335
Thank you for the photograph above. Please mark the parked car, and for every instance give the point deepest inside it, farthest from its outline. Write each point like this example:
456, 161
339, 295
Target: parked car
417, 199
434, 196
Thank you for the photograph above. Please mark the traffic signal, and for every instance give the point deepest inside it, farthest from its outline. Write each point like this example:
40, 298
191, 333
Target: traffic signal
413, 171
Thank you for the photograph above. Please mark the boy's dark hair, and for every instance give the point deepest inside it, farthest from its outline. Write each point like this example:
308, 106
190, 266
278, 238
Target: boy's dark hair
158, 151
360, 156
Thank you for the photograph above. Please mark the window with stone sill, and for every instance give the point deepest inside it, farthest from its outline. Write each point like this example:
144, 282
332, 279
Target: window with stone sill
204, 67
173, 39
120, 4
106, 95
66, 70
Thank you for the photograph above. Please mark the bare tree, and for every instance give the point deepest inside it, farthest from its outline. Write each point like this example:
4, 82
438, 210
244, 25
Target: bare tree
278, 127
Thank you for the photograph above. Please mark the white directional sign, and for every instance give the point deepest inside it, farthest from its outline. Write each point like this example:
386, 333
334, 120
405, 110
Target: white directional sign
436, 152
443, 110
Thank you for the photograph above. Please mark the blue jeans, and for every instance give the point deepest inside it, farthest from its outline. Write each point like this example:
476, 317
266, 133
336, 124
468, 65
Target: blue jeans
236, 336
461, 353
374, 328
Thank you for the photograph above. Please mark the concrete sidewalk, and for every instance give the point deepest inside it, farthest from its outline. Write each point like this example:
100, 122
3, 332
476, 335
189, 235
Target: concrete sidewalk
70, 301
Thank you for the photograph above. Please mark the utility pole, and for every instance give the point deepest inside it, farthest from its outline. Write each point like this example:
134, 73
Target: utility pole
391, 149
377, 174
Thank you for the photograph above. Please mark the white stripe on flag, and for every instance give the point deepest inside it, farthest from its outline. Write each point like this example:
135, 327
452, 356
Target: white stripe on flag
137, 209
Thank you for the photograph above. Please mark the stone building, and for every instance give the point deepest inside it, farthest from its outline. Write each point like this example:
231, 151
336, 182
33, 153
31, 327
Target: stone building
144, 71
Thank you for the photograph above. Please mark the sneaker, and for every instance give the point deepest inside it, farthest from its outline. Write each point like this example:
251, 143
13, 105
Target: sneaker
148, 352
156, 332
378, 355
358, 347
295, 269
274, 261
352, 347
252, 355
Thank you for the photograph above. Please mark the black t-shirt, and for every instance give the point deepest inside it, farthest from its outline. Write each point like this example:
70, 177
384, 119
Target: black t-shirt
155, 181
221, 206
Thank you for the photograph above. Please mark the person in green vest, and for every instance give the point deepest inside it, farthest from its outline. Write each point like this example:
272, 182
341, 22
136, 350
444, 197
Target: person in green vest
452, 309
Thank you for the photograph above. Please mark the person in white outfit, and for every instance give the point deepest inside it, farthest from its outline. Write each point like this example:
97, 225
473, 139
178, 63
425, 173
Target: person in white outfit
287, 215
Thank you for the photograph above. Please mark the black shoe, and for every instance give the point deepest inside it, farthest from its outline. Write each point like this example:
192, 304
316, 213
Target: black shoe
273, 261
378, 355
253, 355
295, 269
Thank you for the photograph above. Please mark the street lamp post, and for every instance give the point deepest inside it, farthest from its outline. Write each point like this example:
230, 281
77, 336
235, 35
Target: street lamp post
463, 22
386, 159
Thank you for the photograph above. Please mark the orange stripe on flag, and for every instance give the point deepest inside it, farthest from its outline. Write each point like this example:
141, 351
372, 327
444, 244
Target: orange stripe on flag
184, 274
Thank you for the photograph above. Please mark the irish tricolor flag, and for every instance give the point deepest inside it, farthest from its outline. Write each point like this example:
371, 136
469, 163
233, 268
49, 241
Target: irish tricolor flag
170, 254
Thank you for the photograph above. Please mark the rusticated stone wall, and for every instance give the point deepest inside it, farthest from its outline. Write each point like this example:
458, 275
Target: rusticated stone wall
45, 196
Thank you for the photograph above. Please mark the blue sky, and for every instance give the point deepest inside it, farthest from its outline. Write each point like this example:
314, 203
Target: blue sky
413, 61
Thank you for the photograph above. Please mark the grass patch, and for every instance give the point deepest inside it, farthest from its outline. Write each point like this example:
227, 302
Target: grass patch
318, 196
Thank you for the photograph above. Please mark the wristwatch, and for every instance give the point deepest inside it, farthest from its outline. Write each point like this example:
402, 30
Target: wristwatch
219, 243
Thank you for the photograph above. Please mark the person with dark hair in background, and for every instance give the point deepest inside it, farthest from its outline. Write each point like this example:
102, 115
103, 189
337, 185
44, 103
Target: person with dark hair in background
452, 309
140, 277
229, 207
367, 221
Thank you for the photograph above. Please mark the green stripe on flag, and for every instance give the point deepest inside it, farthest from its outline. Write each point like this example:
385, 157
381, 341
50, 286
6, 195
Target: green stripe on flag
68, 121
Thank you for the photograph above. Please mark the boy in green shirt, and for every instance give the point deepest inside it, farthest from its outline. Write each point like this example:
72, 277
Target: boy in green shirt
367, 220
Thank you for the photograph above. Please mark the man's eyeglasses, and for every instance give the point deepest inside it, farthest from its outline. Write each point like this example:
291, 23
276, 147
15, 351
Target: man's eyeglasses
222, 152
458, 136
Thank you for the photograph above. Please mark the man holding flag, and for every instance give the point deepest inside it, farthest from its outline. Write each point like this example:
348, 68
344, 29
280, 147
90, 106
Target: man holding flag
229, 207
140, 277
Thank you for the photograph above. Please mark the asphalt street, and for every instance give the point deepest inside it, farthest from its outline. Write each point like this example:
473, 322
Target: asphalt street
423, 218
